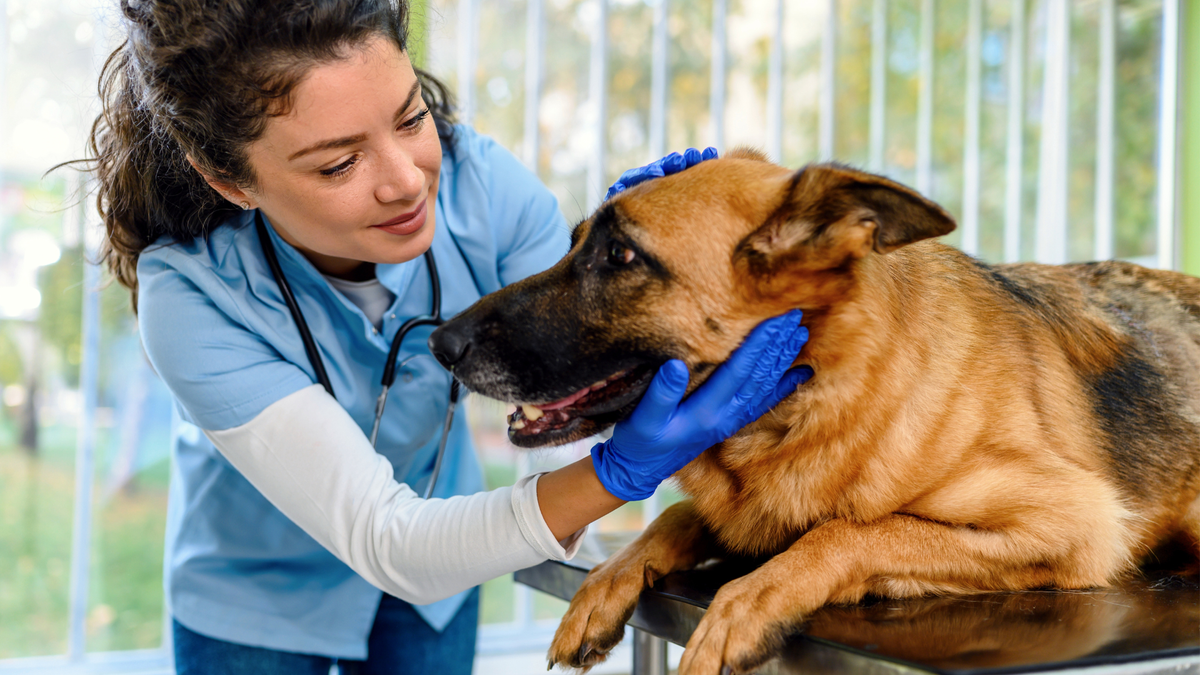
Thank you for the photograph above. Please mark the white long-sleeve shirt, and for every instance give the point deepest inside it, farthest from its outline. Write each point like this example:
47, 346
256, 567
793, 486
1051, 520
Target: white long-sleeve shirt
309, 458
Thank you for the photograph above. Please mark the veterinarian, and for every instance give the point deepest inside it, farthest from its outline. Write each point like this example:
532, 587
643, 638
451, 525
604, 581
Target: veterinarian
291, 542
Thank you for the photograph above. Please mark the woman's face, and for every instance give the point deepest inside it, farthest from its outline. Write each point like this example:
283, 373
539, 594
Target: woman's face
350, 174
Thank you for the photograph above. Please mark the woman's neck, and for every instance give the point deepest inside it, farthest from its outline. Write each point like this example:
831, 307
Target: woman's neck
362, 272
332, 266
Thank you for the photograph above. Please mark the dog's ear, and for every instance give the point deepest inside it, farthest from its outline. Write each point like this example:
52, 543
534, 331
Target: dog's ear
831, 212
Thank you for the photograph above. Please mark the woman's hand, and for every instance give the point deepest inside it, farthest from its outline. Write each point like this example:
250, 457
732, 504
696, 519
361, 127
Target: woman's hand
672, 163
665, 432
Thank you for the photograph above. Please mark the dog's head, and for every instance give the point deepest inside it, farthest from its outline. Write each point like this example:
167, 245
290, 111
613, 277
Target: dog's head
679, 267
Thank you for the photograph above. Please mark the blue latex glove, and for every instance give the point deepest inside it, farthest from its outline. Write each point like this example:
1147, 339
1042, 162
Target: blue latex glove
663, 434
672, 163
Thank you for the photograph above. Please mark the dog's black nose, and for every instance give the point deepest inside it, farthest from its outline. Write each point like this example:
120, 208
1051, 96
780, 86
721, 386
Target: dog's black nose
448, 346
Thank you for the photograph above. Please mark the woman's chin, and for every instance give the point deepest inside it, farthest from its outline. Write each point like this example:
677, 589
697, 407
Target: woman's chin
393, 250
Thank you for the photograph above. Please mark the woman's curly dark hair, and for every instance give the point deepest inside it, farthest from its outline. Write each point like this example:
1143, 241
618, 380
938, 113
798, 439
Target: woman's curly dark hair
198, 79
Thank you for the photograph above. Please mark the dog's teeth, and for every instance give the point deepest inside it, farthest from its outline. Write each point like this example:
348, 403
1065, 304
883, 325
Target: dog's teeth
532, 412
518, 424
599, 385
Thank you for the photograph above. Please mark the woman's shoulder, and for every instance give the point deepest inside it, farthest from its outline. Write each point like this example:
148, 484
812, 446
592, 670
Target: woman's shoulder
480, 174
210, 268
473, 157
214, 251
209, 330
489, 197
467, 146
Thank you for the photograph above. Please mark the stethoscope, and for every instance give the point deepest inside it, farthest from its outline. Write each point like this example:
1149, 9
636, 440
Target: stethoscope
434, 318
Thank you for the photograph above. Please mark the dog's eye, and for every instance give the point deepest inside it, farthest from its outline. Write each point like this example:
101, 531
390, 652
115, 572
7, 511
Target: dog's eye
619, 254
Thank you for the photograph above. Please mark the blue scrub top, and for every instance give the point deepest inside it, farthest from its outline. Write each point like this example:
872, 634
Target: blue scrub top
217, 331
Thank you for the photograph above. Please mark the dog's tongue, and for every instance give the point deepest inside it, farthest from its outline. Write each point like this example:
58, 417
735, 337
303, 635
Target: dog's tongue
564, 402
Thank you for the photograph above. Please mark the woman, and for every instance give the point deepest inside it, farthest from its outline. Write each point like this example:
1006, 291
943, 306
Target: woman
292, 543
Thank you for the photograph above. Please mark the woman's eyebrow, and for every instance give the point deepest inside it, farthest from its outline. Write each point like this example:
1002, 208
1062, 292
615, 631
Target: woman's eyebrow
357, 138
412, 93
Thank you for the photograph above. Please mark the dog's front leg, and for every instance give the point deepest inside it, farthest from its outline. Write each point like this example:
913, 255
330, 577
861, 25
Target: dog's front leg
840, 561
595, 621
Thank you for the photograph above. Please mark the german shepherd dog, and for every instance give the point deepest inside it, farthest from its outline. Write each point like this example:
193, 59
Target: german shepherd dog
970, 427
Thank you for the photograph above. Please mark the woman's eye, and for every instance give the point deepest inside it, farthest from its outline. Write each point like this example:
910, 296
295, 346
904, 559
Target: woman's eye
619, 254
340, 169
415, 121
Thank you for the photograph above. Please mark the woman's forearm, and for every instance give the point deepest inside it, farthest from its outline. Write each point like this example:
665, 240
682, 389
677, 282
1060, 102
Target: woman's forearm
312, 461
572, 497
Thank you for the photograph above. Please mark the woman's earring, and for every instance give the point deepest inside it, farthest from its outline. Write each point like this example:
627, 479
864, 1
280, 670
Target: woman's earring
245, 206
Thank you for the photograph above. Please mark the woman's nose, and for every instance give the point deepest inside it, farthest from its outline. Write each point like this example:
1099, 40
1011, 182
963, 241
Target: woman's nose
400, 178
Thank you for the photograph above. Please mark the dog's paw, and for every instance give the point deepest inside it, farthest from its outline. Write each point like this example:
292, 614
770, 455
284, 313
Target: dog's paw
581, 661
595, 621
739, 632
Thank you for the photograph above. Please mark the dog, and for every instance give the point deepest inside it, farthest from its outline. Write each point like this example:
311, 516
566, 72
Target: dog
969, 428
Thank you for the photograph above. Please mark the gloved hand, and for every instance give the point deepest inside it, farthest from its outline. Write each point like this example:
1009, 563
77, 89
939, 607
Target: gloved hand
672, 163
663, 434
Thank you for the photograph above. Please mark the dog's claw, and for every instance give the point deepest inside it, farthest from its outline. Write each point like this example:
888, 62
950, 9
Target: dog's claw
550, 665
726, 670
585, 650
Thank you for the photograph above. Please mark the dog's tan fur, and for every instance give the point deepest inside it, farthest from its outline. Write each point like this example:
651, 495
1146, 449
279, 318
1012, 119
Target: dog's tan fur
969, 427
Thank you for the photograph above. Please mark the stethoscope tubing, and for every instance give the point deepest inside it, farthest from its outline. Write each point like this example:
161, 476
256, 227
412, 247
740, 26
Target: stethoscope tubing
434, 318
310, 346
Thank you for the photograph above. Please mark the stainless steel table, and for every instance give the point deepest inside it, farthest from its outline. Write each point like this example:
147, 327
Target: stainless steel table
1145, 627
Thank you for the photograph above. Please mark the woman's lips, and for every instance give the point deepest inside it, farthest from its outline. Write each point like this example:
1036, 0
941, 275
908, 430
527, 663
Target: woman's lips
407, 223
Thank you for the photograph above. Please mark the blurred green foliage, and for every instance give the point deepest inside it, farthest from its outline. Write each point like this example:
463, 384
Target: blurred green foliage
12, 368
1190, 199
36, 517
60, 317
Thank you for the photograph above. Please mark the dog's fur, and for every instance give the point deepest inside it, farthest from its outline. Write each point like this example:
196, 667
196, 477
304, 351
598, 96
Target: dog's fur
970, 427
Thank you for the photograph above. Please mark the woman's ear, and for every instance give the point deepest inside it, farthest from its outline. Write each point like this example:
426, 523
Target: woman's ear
832, 213
229, 191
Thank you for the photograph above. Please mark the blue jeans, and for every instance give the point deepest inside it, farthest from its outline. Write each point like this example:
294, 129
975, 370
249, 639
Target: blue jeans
400, 643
